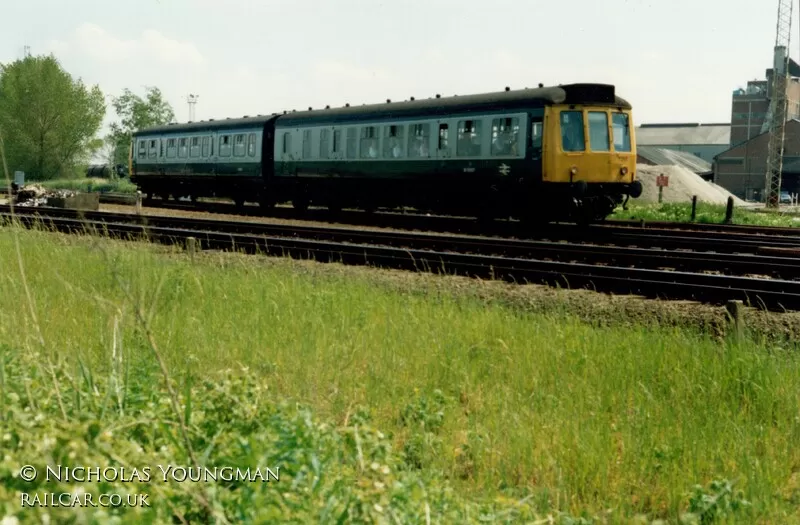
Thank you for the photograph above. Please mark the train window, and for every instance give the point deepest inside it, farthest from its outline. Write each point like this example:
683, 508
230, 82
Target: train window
194, 149
306, 143
337, 141
324, 151
225, 146
206, 150
443, 136
369, 142
469, 138
287, 142
153, 151
239, 145
622, 132
505, 136
251, 144
142, 148
171, 149
573, 137
351, 143
393, 142
598, 131
536, 138
418, 140
183, 148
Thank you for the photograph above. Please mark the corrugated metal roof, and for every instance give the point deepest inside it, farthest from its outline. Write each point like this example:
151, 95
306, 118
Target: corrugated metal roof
661, 157
675, 134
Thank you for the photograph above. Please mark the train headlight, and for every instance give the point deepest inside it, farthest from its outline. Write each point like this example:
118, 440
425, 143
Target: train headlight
623, 170
574, 170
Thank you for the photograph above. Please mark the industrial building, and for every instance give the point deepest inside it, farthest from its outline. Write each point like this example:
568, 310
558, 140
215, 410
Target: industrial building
701, 140
742, 168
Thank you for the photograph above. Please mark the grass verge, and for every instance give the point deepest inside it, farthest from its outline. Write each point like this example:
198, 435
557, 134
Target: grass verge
706, 213
412, 405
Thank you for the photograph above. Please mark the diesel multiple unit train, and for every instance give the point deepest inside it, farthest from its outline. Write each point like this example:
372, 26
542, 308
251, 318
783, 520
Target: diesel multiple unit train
545, 153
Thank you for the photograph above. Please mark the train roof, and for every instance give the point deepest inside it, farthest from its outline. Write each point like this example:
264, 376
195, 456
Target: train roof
599, 94
209, 125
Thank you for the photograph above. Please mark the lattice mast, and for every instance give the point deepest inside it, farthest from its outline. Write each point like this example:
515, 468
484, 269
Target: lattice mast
776, 116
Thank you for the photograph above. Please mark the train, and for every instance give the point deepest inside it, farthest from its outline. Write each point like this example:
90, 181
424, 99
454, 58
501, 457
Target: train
538, 154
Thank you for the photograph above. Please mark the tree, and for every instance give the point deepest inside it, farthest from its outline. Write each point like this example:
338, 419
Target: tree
48, 120
136, 113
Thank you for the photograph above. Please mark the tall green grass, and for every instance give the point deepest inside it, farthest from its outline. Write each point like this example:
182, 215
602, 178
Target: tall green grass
503, 406
705, 213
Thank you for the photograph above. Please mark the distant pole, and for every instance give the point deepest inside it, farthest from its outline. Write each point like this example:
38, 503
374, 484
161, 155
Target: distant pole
694, 207
660, 194
191, 99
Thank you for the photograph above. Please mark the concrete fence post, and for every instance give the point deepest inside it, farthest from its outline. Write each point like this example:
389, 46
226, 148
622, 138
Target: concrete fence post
735, 323
191, 246
138, 202
729, 211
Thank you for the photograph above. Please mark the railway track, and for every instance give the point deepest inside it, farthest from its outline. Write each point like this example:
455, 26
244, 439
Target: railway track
664, 273
416, 221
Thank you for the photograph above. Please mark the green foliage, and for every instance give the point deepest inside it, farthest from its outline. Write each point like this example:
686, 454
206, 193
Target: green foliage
48, 119
92, 185
705, 213
325, 474
706, 508
136, 113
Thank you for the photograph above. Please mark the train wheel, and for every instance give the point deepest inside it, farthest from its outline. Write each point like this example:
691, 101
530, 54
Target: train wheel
266, 203
239, 201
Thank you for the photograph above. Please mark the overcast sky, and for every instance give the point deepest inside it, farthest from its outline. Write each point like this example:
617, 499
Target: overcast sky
674, 60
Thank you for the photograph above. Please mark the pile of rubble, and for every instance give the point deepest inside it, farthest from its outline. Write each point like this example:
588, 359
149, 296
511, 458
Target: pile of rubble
35, 195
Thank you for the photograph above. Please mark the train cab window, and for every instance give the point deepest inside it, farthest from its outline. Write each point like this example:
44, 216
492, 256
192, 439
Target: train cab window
393, 143
337, 141
351, 143
369, 142
194, 148
172, 150
225, 146
469, 138
251, 145
206, 149
598, 131
287, 143
505, 136
306, 143
536, 138
239, 145
418, 140
622, 132
152, 151
324, 150
573, 137
443, 136
142, 148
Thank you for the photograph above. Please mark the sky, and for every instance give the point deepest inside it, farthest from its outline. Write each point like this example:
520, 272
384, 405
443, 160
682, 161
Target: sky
673, 60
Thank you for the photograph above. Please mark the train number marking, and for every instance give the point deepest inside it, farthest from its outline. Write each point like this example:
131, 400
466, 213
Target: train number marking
469, 170
504, 169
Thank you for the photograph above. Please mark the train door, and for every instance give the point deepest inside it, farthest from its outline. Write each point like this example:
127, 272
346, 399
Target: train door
444, 134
